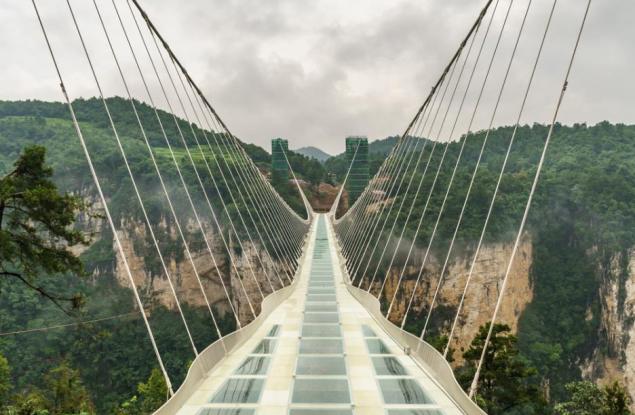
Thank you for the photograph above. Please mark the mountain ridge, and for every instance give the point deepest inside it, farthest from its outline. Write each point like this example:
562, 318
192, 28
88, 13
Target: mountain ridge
314, 152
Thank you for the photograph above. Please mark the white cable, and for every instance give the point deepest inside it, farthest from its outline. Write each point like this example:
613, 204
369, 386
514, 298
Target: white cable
128, 168
178, 169
483, 145
279, 226
162, 182
445, 198
209, 170
367, 218
367, 239
521, 228
209, 126
358, 212
417, 192
102, 198
336, 202
498, 182
440, 164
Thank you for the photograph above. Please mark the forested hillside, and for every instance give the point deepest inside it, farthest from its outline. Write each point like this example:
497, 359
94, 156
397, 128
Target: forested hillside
579, 315
109, 357
577, 319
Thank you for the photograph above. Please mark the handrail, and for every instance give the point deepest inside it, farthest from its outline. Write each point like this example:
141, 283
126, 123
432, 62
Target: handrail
422, 352
213, 354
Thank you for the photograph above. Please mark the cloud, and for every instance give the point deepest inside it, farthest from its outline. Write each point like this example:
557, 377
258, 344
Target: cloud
317, 71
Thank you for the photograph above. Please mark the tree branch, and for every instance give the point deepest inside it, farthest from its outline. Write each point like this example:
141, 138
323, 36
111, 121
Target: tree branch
54, 299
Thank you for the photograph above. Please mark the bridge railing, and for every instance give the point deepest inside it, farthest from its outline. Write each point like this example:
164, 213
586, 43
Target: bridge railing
209, 358
423, 353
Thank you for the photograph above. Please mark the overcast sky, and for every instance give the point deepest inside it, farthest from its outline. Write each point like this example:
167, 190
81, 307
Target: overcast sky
315, 71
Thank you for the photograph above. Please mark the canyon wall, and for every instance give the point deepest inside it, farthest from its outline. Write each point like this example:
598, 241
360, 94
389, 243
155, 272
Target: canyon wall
482, 293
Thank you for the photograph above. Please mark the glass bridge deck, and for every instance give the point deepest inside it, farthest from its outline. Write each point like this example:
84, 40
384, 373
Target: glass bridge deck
319, 353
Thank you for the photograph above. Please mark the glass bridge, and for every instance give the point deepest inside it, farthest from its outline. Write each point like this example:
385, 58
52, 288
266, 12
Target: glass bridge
319, 352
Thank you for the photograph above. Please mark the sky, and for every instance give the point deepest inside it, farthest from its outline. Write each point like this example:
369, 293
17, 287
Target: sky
316, 71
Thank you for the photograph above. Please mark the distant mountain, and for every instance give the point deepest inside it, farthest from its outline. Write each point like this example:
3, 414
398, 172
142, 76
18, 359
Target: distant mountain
313, 152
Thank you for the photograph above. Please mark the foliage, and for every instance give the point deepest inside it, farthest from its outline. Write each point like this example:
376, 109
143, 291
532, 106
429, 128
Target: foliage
586, 398
579, 229
5, 379
113, 355
152, 394
64, 394
506, 380
36, 225
67, 394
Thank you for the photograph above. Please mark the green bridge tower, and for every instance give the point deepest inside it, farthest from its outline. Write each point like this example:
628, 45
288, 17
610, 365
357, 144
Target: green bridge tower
279, 166
356, 153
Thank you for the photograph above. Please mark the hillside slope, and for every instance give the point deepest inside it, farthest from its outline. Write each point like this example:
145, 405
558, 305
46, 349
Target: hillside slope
313, 152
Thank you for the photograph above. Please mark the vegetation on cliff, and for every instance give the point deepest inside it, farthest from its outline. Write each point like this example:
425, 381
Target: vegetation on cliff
580, 226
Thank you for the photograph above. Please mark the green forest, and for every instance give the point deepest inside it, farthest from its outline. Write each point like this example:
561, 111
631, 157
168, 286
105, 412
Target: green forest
108, 357
580, 227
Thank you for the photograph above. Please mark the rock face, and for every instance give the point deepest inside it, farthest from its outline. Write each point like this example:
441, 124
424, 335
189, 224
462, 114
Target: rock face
616, 361
482, 292
181, 272
245, 276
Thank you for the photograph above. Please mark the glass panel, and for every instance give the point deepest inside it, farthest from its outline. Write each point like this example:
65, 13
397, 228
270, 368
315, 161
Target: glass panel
274, 331
321, 346
368, 332
321, 297
388, 366
403, 391
324, 411
321, 290
265, 346
321, 330
377, 346
415, 412
321, 318
239, 391
226, 411
320, 391
321, 365
321, 307
321, 284
253, 365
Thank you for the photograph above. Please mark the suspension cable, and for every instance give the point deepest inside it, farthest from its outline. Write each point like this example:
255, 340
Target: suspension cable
476, 108
521, 228
182, 179
102, 198
196, 171
442, 159
129, 171
424, 127
162, 182
483, 145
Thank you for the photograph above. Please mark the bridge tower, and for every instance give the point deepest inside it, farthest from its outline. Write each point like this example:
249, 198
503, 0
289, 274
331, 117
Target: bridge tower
279, 166
357, 154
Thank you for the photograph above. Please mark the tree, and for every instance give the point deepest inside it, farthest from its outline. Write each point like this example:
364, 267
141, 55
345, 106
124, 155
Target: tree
5, 379
505, 382
586, 398
36, 226
152, 394
616, 399
31, 403
67, 392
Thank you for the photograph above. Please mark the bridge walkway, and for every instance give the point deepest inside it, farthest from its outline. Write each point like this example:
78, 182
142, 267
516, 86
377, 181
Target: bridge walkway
319, 352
